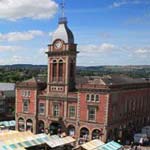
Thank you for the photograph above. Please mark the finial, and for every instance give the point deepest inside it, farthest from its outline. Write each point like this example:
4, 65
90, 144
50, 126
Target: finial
62, 19
63, 8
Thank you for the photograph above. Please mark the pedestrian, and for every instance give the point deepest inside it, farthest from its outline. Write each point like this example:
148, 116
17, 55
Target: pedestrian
135, 148
132, 145
141, 141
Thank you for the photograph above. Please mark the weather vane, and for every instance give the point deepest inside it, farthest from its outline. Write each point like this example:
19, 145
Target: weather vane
63, 8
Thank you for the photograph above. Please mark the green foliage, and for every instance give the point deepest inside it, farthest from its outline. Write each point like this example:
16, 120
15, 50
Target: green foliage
15, 74
23, 72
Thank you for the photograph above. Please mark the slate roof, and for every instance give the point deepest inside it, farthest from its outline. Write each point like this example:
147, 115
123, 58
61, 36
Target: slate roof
63, 33
33, 82
7, 86
110, 80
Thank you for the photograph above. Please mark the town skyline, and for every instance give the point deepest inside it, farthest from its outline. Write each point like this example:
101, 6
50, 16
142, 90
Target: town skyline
114, 32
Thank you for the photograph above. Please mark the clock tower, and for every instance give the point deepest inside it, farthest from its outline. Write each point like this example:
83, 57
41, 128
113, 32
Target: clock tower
62, 60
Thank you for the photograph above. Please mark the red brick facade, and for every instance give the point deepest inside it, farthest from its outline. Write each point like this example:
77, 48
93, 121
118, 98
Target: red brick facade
97, 108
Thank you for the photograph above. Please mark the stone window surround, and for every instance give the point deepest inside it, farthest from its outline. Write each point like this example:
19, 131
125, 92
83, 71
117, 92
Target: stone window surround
92, 97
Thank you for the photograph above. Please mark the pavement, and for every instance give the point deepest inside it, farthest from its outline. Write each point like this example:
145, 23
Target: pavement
141, 148
145, 147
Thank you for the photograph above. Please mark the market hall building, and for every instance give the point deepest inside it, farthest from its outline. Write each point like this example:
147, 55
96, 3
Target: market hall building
109, 107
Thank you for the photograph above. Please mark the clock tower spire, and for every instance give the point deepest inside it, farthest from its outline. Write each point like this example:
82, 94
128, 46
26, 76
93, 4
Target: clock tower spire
62, 59
63, 9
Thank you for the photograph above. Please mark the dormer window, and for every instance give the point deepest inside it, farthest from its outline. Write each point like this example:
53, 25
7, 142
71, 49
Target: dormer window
96, 98
92, 98
26, 93
88, 97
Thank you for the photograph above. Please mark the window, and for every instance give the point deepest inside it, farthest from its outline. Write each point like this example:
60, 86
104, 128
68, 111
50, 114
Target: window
97, 98
2, 109
92, 97
55, 110
72, 69
25, 93
60, 70
92, 114
72, 111
88, 97
54, 70
25, 105
41, 108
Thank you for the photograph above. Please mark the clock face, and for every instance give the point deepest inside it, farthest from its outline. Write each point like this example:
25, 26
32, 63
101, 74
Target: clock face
58, 44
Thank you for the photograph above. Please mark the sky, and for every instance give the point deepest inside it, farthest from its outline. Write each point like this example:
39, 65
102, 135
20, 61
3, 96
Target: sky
108, 32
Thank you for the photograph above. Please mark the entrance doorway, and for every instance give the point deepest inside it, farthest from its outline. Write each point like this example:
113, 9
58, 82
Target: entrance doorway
55, 128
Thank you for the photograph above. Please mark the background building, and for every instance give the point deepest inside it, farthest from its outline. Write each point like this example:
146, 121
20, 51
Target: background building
7, 101
107, 107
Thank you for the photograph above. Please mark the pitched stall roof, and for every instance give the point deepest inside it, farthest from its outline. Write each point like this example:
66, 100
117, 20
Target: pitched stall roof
14, 140
92, 144
99, 145
110, 146
8, 123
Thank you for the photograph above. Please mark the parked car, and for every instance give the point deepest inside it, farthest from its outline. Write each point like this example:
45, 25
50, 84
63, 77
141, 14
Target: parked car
140, 138
146, 130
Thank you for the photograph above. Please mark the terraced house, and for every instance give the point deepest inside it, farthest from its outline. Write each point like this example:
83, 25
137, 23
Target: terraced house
108, 107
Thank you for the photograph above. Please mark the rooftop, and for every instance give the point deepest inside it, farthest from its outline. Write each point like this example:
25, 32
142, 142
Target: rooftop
7, 86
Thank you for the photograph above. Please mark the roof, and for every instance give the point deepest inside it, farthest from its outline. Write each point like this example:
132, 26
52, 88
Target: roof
63, 33
14, 140
8, 123
110, 146
110, 80
34, 82
92, 144
7, 86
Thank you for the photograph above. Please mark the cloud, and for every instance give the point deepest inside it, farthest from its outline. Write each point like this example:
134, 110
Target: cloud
102, 48
21, 36
111, 54
19, 55
15, 59
120, 3
9, 48
35, 9
143, 52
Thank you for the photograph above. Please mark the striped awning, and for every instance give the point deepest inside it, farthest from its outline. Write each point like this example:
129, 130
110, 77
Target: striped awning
110, 146
8, 123
55, 141
92, 144
15, 140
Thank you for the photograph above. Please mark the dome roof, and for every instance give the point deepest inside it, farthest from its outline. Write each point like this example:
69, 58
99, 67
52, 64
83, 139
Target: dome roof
63, 32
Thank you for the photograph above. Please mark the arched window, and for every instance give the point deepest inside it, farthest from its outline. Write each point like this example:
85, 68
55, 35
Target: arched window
84, 133
96, 134
29, 125
54, 73
97, 98
92, 97
60, 70
87, 97
21, 124
72, 69
40, 126
71, 130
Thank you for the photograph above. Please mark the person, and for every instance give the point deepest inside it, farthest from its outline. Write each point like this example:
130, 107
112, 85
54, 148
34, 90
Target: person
135, 148
132, 145
141, 141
